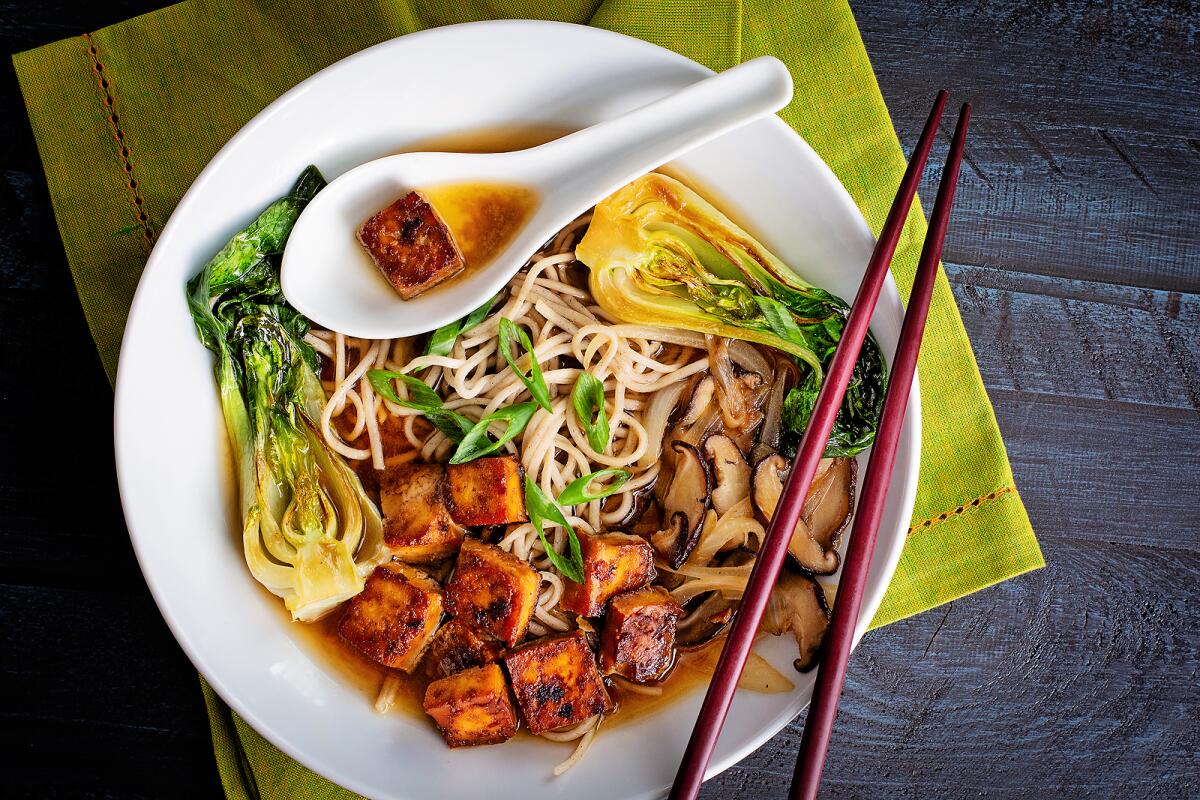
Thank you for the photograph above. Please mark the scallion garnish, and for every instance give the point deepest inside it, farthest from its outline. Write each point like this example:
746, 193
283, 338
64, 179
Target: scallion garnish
577, 490
478, 443
541, 509
421, 398
588, 399
441, 341
534, 381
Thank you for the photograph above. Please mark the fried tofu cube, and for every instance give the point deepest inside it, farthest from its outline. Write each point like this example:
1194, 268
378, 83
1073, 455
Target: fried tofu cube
412, 245
417, 525
487, 491
457, 647
472, 707
638, 641
393, 619
556, 682
493, 591
612, 563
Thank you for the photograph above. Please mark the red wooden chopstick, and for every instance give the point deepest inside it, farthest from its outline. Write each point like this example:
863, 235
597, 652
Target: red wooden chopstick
812, 447
819, 725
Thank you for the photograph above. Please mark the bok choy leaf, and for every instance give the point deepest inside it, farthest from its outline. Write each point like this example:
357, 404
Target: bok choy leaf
659, 254
309, 532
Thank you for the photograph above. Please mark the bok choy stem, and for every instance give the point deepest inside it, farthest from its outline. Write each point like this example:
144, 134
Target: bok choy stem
309, 533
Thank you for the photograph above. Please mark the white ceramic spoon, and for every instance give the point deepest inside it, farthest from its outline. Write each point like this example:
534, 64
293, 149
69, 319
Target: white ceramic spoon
328, 276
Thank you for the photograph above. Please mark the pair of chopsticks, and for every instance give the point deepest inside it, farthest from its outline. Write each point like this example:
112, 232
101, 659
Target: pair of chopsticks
821, 714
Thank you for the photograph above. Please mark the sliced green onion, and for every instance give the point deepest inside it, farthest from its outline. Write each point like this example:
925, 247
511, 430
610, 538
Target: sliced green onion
441, 341
577, 490
588, 399
477, 316
542, 509
477, 443
534, 381
421, 398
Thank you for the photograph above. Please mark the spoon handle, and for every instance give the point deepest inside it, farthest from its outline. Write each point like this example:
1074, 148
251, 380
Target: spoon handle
601, 159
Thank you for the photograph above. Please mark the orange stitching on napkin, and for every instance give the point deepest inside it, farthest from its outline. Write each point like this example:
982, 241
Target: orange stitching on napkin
106, 90
958, 512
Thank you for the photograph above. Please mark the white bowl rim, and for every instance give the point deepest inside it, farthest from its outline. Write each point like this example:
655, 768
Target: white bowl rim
906, 486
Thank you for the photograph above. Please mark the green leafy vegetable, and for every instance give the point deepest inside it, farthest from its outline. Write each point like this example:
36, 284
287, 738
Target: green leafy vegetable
478, 443
309, 533
857, 419
541, 509
441, 341
588, 399
659, 254
420, 397
577, 492
534, 381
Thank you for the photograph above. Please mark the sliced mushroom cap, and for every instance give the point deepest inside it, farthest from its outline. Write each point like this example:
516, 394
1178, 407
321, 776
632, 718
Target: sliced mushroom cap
730, 472
704, 620
685, 504
797, 604
826, 510
640, 502
701, 399
738, 395
772, 428
830, 501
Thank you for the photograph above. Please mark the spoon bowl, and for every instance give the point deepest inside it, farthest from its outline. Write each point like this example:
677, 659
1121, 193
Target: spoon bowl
329, 277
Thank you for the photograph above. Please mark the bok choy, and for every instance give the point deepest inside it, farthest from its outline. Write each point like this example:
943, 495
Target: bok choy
659, 254
309, 532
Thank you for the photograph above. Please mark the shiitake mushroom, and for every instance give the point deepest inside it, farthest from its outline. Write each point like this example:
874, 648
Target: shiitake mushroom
705, 618
731, 473
684, 505
797, 604
826, 513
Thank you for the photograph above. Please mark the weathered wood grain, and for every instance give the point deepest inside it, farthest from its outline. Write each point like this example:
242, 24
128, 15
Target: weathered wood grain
1095, 387
1083, 150
1072, 338
1075, 258
1103, 472
1078, 680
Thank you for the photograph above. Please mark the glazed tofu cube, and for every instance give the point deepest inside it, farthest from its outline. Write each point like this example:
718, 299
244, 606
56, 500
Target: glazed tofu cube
493, 591
487, 491
556, 682
457, 647
412, 245
417, 526
612, 563
397, 451
393, 619
472, 707
638, 641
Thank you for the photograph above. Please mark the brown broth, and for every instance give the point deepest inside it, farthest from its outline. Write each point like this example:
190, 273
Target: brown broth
691, 671
493, 139
497, 211
483, 217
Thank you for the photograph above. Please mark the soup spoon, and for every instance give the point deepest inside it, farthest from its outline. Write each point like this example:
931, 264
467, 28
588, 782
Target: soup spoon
330, 278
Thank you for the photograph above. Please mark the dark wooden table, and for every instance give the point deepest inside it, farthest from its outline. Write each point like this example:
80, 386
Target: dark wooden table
1075, 257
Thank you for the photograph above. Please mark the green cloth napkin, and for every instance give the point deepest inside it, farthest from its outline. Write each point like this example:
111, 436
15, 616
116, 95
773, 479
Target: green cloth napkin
126, 117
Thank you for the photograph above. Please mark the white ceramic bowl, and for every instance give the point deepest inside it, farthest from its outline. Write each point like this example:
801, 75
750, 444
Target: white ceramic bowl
172, 459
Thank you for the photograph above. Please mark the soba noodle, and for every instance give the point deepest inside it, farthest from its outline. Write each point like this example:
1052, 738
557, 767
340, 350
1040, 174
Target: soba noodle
570, 335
